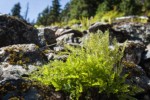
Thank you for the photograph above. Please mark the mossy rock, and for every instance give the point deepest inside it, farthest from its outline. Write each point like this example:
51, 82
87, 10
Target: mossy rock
23, 54
16, 31
26, 90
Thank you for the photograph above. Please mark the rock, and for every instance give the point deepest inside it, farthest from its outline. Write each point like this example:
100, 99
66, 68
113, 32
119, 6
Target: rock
26, 90
50, 56
54, 28
137, 76
25, 59
61, 57
15, 71
75, 26
132, 65
1, 73
66, 27
146, 66
46, 36
130, 19
18, 60
65, 38
145, 63
59, 48
22, 54
68, 36
130, 30
147, 54
68, 39
62, 31
99, 26
59, 31
121, 36
41, 37
32, 94
133, 52
16, 31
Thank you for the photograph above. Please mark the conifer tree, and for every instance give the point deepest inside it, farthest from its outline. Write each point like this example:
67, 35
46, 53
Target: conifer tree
83, 8
147, 4
43, 17
64, 14
49, 15
130, 7
15, 11
55, 11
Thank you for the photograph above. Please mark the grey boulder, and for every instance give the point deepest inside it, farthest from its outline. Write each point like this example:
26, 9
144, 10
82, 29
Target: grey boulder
16, 31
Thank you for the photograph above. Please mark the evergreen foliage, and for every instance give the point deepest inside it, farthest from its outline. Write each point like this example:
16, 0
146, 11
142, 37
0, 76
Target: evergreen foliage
130, 7
94, 65
15, 11
64, 14
83, 8
44, 17
49, 15
77, 9
55, 11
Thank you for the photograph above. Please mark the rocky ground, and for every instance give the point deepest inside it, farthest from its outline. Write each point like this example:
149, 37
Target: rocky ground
23, 48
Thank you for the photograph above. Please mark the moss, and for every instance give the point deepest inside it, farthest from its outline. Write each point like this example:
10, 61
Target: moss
17, 57
133, 45
129, 64
23, 86
16, 98
131, 69
45, 51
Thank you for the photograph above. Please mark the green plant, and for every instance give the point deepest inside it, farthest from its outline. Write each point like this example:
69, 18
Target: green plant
94, 65
108, 16
73, 21
85, 22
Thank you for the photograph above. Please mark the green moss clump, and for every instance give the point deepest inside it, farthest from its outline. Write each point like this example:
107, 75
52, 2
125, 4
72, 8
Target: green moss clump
17, 58
129, 64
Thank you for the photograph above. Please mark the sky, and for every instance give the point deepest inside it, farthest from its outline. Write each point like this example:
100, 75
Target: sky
35, 6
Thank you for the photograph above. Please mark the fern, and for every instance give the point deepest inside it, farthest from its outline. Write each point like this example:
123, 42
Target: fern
94, 65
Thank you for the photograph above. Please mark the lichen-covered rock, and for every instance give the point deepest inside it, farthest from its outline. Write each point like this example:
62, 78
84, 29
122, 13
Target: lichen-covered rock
68, 39
46, 36
16, 31
145, 63
22, 54
99, 26
131, 31
133, 52
131, 18
10, 72
28, 90
63, 31
137, 76
18, 60
67, 36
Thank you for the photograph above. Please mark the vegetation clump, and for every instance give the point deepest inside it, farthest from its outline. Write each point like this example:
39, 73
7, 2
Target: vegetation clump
92, 66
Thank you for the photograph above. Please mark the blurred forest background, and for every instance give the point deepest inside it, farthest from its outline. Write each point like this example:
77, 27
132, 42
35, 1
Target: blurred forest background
96, 10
